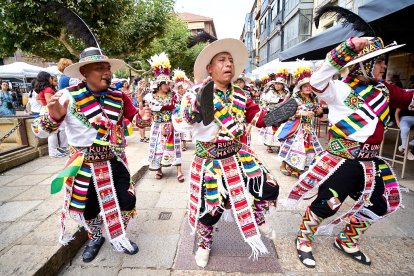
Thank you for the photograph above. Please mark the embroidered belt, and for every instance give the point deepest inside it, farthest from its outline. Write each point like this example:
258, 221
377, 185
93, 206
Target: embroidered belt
217, 150
352, 150
97, 153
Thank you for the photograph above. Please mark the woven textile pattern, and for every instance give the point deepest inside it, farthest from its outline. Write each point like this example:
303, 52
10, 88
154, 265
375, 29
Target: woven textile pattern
308, 227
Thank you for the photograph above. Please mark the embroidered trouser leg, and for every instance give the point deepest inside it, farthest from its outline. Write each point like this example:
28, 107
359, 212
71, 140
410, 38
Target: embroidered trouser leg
352, 232
308, 227
204, 236
124, 192
95, 225
260, 207
127, 216
348, 180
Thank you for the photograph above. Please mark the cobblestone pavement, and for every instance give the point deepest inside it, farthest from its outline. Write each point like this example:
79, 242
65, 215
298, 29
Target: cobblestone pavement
29, 230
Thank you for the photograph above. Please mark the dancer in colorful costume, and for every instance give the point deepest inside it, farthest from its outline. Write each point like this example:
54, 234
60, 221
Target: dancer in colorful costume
93, 115
182, 85
224, 168
165, 142
300, 142
276, 93
358, 115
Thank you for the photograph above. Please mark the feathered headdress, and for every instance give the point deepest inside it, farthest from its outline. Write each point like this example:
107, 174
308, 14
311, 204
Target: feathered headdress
302, 76
265, 79
282, 76
179, 76
161, 67
346, 17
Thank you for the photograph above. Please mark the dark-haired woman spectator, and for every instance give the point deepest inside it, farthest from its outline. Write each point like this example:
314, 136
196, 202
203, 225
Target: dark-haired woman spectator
45, 90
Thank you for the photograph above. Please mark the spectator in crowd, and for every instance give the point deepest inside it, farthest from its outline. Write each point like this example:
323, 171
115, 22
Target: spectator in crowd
395, 79
33, 106
64, 80
411, 82
6, 101
44, 88
405, 120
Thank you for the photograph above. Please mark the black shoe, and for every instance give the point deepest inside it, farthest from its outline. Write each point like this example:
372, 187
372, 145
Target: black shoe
134, 251
205, 101
281, 113
357, 256
92, 249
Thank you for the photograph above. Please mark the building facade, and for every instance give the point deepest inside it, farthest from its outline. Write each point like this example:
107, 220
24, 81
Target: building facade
283, 24
197, 23
273, 26
250, 38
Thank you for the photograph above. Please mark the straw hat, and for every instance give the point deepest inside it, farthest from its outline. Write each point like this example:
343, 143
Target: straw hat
88, 56
232, 46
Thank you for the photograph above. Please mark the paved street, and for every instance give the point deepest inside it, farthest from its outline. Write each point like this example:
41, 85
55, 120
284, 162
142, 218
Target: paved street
29, 230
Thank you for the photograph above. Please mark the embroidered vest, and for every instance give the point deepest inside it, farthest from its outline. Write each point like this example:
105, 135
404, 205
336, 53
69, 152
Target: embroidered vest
87, 110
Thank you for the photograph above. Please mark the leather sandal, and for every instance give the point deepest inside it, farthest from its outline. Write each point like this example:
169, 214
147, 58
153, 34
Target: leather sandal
180, 178
281, 113
159, 175
134, 251
357, 256
92, 249
306, 258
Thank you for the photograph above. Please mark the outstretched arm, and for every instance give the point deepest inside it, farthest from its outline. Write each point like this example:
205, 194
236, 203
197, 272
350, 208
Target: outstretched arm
335, 60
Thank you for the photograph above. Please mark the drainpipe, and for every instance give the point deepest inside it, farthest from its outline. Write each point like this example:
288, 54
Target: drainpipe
282, 30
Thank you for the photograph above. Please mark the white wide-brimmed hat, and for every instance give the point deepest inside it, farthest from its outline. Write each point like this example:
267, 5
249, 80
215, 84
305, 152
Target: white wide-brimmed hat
88, 56
232, 46
373, 49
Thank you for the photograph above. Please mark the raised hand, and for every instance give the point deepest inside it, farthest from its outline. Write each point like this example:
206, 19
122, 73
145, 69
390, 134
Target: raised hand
359, 43
145, 112
56, 110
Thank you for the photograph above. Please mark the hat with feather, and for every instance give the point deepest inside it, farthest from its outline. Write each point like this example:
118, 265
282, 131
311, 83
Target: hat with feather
78, 27
363, 64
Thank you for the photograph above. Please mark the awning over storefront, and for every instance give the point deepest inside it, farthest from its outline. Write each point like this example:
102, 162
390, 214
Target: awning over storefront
390, 19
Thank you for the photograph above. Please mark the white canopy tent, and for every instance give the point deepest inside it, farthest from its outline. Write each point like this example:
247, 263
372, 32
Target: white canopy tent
19, 70
18, 73
274, 65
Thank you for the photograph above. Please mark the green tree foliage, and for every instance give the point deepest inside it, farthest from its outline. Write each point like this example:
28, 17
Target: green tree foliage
122, 27
174, 43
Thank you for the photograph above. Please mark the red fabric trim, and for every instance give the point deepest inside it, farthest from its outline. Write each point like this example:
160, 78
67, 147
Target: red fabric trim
129, 108
251, 110
399, 98
319, 91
